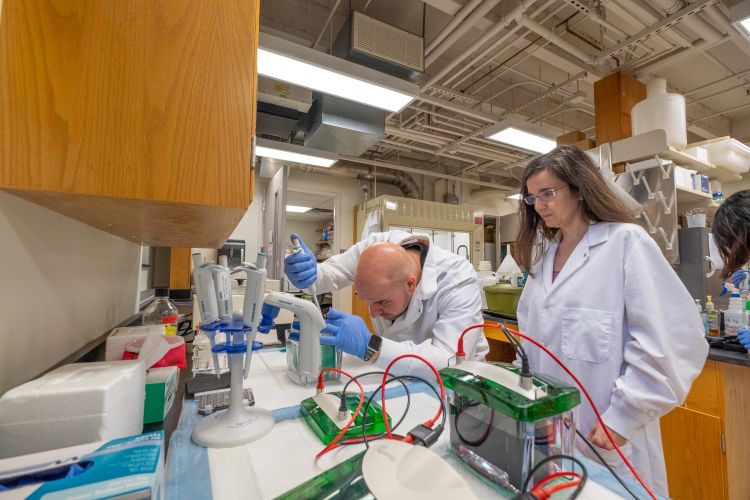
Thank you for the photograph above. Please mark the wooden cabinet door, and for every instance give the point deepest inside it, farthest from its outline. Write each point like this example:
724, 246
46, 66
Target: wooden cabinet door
132, 116
693, 453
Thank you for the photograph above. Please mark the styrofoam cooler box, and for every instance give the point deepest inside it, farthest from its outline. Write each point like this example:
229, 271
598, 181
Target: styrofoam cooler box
118, 337
74, 404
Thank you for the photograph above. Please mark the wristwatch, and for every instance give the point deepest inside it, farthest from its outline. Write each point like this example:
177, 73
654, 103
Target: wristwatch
373, 347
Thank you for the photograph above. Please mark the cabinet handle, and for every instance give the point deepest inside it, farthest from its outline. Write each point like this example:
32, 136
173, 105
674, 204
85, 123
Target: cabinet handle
723, 443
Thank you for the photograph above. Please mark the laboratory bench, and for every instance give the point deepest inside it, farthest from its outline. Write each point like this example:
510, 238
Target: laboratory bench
284, 458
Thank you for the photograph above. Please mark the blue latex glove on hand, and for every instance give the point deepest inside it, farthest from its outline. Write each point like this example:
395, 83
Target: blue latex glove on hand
743, 334
348, 332
739, 276
301, 267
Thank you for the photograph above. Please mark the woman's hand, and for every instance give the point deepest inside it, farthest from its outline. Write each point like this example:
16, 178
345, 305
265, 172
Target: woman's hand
599, 438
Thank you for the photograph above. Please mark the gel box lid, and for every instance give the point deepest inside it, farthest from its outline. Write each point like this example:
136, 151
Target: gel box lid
555, 398
73, 390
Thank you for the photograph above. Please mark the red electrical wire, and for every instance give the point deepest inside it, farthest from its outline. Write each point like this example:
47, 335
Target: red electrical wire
546, 493
333, 444
429, 423
555, 475
583, 389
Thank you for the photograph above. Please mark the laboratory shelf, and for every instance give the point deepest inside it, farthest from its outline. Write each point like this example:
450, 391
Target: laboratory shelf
687, 195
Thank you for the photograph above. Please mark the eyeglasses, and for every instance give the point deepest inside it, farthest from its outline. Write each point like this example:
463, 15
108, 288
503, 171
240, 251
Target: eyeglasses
545, 196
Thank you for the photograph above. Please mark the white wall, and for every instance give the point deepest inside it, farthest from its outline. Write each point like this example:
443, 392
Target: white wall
346, 195
63, 284
249, 228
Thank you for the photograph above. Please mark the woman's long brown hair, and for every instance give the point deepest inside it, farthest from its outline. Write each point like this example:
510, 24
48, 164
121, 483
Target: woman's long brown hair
731, 230
598, 202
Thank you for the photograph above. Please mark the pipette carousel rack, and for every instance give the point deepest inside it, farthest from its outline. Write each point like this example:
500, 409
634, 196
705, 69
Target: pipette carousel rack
238, 424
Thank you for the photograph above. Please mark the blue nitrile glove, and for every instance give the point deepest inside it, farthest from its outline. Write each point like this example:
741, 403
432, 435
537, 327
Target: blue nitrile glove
348, 332
738, 277
301, 267
743, 334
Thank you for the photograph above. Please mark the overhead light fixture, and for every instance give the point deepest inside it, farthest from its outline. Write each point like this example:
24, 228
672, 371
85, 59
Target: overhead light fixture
522, 134
517, 196
294, 153
299, 65
739, 16
298, 210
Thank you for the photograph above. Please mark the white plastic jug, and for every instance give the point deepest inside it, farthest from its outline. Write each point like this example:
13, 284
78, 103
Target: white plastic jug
487, 277
661, 110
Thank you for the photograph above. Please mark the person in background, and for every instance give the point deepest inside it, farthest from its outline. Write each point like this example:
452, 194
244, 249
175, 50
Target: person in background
731, 229
420, 298
602, 297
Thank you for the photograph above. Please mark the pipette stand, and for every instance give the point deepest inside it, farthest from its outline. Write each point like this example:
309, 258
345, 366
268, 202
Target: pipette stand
239, 424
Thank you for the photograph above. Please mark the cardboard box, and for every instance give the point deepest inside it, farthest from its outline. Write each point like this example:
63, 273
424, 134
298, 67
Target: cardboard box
130, 467
161, 388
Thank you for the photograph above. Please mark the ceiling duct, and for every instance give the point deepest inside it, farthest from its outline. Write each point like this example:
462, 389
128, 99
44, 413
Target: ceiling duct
380, 46
401, 180
341, 126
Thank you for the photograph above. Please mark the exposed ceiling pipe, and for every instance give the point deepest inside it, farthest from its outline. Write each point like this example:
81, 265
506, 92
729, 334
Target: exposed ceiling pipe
428, 173
675, 56
513, 16
494, 46
458, 109
325, 25
472, 20
647, 17
736, 108
555, 38
404, 182
457, 18
695, 23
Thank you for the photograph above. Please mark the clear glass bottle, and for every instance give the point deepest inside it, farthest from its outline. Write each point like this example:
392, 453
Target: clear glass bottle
161, 311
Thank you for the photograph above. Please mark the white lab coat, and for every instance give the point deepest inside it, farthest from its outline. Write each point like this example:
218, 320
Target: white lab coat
446, 300
623, 322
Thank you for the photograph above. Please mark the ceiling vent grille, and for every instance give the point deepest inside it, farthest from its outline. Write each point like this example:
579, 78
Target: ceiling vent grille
378, 39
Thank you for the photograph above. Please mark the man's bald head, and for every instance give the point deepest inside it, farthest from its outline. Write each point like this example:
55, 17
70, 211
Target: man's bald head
386, 278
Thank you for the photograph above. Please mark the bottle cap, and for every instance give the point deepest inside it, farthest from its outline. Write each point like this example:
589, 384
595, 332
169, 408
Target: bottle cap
161, 292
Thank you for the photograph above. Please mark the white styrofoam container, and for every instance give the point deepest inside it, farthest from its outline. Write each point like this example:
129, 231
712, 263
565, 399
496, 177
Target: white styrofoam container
724, 152
74, 404
118, 337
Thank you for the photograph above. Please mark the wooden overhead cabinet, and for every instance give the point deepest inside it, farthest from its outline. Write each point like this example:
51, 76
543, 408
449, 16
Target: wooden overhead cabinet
134, 116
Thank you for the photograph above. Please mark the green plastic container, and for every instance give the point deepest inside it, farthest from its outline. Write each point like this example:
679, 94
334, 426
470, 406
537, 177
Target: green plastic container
501, 433
502, 299
326, 430
345, 481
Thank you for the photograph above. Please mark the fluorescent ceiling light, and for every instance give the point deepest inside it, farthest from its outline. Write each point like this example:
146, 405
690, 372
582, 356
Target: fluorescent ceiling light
739, 15
517, 196
296, 209
315, 70
521, 134
294, 153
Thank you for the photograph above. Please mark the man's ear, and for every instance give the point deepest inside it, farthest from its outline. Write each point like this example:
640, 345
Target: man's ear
411, 283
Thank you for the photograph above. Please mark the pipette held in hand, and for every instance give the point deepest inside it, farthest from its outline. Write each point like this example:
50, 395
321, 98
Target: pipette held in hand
296, 248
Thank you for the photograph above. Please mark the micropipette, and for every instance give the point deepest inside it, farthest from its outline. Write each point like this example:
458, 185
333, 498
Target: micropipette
297, 247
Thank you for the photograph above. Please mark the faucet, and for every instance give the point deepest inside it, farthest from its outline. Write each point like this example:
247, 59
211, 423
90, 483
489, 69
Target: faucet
465, 248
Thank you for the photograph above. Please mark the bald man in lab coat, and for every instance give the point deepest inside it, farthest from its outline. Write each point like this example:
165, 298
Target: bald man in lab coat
420, 298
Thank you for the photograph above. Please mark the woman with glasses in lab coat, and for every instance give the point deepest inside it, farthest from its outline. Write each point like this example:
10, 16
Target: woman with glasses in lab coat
602, 297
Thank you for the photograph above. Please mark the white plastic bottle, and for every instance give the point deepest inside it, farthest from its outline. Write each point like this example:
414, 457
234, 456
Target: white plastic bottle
703, 316
205, 290
223, 287
734, 316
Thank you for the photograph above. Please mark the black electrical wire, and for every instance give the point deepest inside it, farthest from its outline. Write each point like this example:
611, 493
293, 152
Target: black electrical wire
367, 438
367, 406
481, 440
584, 475
525, 368
611, 470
